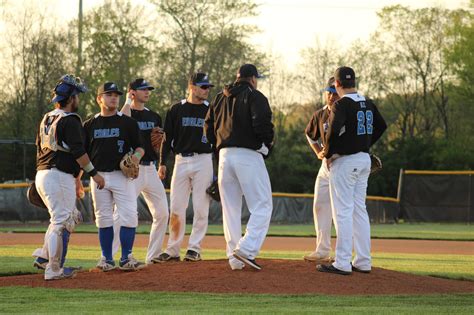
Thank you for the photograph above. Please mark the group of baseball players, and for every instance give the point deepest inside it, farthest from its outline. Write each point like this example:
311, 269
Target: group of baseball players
236, 130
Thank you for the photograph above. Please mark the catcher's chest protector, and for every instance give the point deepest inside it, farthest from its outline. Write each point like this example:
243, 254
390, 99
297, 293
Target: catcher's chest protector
48, 129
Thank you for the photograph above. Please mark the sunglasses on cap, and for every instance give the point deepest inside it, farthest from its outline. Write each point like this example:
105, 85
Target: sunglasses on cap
74, 82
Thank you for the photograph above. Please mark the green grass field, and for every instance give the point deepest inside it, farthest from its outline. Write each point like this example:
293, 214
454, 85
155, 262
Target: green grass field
17, 260
432, 231
47, 301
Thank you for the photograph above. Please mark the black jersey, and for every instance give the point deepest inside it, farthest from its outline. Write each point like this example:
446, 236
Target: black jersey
68, 135
184, 130
147, 120
355, 124
318, 125
109, 138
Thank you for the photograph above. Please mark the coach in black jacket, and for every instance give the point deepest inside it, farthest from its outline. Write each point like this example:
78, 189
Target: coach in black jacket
239, 127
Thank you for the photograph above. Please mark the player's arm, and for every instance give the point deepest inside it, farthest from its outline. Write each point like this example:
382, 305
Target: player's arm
126, 109
74, 138
136, 141
379, 126
261, 118
336, 121
312, 135
166, 144
209, 131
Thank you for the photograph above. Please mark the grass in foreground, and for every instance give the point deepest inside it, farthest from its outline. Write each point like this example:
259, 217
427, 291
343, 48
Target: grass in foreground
42, 300
428, 231
18, 260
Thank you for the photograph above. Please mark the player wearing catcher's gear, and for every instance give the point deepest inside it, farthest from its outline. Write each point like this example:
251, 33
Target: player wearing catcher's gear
59, 158
109, 136
148, 183
192, 169
315, 131
355, 124
239, 126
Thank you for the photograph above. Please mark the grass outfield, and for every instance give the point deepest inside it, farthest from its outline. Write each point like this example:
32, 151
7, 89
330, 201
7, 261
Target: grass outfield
18, 260
433, 231
42, 300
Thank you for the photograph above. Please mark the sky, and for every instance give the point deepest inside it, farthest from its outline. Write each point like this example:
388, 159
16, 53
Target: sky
287, 26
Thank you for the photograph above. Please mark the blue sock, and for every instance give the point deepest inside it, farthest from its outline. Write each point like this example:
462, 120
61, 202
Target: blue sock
66, 235
106, 238
127, 237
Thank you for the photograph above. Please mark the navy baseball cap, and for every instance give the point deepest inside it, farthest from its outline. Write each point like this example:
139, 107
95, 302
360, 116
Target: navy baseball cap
330, 86
344, 73
109, 87
67, 86
200, 79
248, 70
140, 84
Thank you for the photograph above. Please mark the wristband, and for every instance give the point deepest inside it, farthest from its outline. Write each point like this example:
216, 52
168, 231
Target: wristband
128, 101
92, 173
138, 155
88, 167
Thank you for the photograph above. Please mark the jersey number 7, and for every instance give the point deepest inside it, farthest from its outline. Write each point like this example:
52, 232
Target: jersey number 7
365, 121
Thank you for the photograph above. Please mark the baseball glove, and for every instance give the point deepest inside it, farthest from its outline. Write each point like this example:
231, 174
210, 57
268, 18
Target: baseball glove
157, 136
33, 196
375, 164
213, 190
128, 167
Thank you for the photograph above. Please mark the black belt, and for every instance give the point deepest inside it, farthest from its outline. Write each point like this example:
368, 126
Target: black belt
188, 154
147, 163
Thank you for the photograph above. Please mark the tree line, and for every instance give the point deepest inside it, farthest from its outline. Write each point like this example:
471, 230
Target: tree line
416, 66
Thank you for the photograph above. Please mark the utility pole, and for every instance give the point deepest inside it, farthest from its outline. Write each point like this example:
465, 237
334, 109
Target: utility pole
79, 44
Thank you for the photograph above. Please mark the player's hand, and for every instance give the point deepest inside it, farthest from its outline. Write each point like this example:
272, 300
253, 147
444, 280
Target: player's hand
99, 180
162, 172
332, 159
79, 189
320, 155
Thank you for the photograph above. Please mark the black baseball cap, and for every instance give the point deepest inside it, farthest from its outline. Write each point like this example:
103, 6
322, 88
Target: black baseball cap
200, 79
330, 86
140, 84
248, 70
344, 74
109, 87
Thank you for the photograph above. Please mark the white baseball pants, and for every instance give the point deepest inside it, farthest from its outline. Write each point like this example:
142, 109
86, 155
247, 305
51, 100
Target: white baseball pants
242, 172
192, 173
119, 193
348, 178
322, 212
150, 185
58, 191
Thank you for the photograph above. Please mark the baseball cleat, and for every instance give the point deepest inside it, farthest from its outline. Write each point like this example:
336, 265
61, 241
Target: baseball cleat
332, 269
164, 257
66, 273
192, 255
131, 264
243, 258
360, 270
313, 257
105, 265
40, 263
236, 264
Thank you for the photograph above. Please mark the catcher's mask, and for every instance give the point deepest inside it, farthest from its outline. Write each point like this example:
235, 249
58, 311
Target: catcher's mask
67, 86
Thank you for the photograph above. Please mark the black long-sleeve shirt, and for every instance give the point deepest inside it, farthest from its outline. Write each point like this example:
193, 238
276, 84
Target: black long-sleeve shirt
147, 120
184, 130
240, 117
355, 124
318, 125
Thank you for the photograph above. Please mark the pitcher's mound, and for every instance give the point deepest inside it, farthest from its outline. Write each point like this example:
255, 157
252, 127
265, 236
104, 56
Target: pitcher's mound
277, 276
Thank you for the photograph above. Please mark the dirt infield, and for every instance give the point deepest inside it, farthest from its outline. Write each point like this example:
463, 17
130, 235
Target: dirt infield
276, 277
271, 243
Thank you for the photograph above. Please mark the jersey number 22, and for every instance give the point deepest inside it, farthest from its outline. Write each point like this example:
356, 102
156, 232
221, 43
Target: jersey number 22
365, 121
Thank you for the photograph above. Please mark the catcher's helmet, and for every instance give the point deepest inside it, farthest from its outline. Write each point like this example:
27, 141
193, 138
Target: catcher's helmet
68, 86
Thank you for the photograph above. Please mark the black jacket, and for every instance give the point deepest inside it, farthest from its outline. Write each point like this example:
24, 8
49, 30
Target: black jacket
240, 116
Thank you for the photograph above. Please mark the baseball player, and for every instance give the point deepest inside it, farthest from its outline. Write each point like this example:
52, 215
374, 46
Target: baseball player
315, 131
239, 126
148, 183
60, 156
109, 136
192, 169
355, 124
